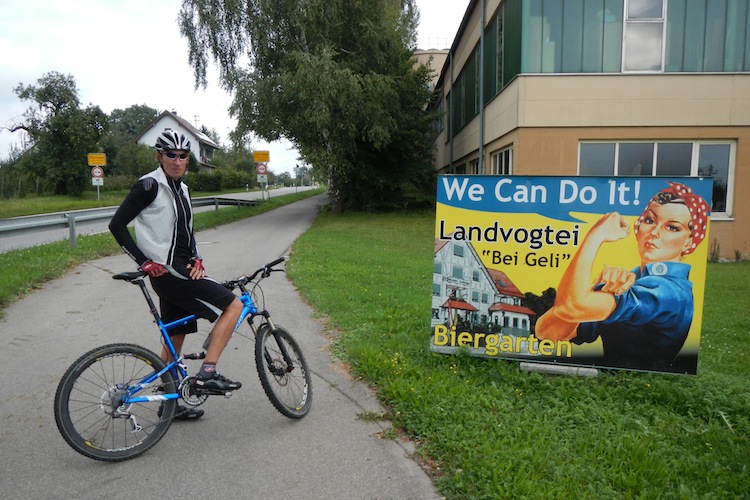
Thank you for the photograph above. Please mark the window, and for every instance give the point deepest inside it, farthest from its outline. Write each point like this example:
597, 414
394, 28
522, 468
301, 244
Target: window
502, 162
458, 250
436, 289
474, 296
635, 158
715, 160
708, 36
500, 50
643, 47
437, 267
674, 159
458, 272
474, 167
597, 159
475, 275
571, 36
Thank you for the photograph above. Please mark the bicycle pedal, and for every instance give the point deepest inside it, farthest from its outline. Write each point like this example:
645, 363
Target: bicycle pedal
228, 394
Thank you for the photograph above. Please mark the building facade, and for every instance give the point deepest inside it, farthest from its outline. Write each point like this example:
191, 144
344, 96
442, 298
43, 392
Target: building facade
201, 145
480, 298
604, 87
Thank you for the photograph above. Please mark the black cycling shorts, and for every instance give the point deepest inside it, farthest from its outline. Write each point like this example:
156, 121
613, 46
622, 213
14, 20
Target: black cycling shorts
180, 297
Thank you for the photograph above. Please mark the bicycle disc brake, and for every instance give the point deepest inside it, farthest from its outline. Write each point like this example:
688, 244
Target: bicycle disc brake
187, 390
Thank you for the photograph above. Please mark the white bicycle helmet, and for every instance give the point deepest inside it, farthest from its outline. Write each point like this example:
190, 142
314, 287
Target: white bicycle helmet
170, 139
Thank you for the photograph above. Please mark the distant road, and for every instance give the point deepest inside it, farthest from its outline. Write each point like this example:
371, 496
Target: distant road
34, 239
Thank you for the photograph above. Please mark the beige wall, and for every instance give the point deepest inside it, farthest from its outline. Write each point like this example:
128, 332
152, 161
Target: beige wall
544, 117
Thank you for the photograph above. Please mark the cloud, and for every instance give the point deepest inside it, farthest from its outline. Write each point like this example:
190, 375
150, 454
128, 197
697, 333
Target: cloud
123, 53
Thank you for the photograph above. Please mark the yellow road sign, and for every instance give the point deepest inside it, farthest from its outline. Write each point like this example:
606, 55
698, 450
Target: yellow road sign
262, 156
97, 159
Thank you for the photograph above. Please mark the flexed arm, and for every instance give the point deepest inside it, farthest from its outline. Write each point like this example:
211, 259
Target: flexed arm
576, 300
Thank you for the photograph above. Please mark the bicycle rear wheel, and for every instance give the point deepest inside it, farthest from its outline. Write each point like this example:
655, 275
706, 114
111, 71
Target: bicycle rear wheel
283, 372
89, 411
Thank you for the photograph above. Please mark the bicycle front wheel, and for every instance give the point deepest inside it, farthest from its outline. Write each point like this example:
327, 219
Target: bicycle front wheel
283, 372
89, 409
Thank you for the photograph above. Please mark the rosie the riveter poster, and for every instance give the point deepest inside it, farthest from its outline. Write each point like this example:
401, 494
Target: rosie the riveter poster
585, 271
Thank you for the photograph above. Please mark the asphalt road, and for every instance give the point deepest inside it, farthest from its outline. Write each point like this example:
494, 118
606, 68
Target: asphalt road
15, 242
242, 447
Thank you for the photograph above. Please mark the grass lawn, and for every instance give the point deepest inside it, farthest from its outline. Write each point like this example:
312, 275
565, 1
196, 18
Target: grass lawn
484, 428
487, 430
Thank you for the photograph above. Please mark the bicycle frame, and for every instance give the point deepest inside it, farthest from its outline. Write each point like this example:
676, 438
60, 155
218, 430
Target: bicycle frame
176, 366
105, 403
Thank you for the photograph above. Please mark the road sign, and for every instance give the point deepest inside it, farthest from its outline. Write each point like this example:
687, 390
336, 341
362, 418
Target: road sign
97, 172
261, 156
97, 160
261, 168
262, 179
97, 181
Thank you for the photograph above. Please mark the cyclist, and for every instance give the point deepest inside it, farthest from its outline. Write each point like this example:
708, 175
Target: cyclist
160, 205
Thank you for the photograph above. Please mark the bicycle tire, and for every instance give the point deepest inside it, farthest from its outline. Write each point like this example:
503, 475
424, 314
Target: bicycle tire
290, 392
87, 394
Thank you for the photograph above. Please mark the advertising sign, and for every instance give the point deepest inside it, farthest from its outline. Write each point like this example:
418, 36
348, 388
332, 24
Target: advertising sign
583, 271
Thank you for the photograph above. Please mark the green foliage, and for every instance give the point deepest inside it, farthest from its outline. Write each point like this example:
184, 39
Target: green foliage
487, 429
335, 77
220, 179
130, 159
61, 132
124, 156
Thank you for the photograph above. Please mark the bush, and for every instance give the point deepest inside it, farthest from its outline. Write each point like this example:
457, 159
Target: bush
219, 179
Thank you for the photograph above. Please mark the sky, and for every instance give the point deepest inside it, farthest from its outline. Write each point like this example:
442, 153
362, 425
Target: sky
123, 53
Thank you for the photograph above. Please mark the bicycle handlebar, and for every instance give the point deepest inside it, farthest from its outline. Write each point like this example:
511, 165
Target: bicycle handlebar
264, 271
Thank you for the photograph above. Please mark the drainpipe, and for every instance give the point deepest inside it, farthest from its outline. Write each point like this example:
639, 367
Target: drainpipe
450, 114
481, 91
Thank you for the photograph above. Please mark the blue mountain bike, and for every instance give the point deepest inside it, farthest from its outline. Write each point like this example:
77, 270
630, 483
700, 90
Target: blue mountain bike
117, 401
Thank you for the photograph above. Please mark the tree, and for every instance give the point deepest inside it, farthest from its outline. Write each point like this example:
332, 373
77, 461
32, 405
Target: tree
61, 133
124, 156
336, 77
129, 122
212, 134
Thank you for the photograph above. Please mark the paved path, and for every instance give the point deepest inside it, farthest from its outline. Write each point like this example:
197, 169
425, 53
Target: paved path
242, 447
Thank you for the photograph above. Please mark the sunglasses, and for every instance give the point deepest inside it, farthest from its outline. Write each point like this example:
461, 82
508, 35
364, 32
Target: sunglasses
172, 156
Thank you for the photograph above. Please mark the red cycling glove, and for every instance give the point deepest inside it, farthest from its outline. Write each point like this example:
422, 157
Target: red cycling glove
153, 269
198, 264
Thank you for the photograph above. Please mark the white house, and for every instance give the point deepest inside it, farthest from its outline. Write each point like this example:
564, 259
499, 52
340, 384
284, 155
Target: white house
482, 297
202, 146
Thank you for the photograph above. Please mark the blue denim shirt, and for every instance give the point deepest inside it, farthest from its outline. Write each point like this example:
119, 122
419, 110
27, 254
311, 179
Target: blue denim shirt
650, 322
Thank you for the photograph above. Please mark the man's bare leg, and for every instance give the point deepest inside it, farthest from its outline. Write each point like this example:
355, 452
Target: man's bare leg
223, 330
177, 341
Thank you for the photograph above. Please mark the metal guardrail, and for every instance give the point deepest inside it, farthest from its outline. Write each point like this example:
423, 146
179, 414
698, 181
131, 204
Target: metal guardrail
62, 220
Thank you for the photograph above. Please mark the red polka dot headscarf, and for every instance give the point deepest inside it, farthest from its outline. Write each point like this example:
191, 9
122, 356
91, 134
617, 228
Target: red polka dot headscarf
699, 210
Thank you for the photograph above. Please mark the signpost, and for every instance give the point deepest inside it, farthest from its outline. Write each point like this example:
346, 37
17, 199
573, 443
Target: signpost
262, 170
96, 162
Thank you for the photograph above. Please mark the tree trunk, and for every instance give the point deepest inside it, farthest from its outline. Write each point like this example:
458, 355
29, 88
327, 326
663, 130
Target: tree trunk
334, 190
